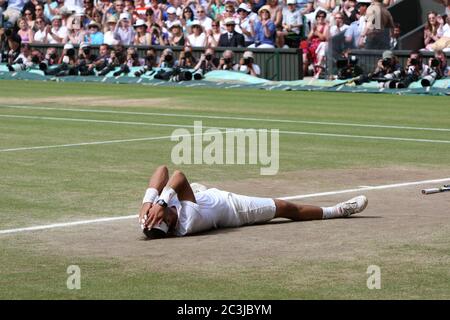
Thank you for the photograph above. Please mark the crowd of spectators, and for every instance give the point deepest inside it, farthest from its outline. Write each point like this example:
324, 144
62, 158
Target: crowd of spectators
304, 24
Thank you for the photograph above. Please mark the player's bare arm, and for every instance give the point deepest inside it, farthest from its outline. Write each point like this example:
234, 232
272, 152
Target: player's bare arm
156, 183
177, 185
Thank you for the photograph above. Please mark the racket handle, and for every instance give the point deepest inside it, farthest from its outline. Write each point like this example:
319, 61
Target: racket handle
431, 191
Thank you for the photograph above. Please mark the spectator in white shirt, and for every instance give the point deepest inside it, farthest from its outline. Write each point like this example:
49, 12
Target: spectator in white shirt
197, 38
56, 33
292, 22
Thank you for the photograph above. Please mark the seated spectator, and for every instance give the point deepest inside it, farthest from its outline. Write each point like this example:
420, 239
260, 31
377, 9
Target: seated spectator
231, 38
40, 36
264, 31
339, 25
159, 37
395, 35
186, 59
108, 36
56, 33
171, 17
132, 58
142, 37
53, 9
186, 19
157, 12
39, 13
443, 43
124, 32
118, 9
292, 23
319, 34
214, 34
348, 11
227, 61
275, 11
230, 12
215, 8
197, 38
25, 32
22, 61
29, 16
76, 32
176, 37
204, 20
430, 33
247, 65
94, 36
208, 61
246, 23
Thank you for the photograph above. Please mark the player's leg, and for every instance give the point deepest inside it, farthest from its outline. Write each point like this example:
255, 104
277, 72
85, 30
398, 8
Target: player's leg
298, 212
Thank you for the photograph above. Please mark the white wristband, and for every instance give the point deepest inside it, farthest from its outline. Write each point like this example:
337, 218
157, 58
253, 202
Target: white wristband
151, 194
167, 194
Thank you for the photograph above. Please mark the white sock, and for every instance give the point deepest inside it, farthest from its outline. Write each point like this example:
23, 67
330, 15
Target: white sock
331, 212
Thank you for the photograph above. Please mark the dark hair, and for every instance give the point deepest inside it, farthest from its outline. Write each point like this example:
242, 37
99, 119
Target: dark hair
321, 12
154, 233
148, 11
190, 10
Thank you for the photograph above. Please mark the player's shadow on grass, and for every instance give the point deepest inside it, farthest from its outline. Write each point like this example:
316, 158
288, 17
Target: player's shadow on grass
272, 222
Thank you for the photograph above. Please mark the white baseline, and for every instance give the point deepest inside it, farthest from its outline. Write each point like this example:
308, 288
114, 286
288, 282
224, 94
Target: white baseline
197, 116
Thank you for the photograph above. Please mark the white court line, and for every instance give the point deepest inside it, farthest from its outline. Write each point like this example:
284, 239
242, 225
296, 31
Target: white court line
325, 123
319, 134
312, 195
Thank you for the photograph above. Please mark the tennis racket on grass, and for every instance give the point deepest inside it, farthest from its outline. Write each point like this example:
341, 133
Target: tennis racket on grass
436, 190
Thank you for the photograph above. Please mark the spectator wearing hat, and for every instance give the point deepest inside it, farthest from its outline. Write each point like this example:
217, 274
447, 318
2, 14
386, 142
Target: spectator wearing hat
204, 20
171, 17
176, 36
108, 36
94, 36
292, 23
142, 37
378, 27
353, 35
247, 65
197, 38
265, 30
388, 64
56, 33
123, 31
231, 38
246, 23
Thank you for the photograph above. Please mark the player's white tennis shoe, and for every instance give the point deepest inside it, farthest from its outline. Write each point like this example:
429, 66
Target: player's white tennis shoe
352, 206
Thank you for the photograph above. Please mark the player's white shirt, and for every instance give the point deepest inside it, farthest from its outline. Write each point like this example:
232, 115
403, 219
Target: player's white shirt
212, 210
215, 208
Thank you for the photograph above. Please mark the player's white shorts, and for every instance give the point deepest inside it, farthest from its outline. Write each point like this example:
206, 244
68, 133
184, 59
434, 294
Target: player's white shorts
251, 210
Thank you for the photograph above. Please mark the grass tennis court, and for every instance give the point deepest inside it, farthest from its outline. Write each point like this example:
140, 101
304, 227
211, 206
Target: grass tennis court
72, 152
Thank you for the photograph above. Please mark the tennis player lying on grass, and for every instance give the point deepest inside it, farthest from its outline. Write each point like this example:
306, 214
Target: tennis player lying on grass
171, 206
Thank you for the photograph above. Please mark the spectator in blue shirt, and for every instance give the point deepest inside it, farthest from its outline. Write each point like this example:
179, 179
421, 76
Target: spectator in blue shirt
265, 30
94, 36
